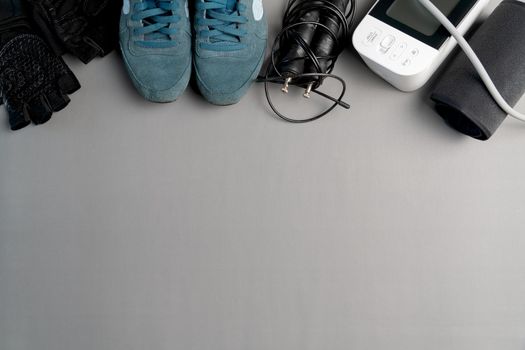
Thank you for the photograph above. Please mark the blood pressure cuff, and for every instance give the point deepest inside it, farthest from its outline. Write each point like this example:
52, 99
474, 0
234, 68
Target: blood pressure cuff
461, 97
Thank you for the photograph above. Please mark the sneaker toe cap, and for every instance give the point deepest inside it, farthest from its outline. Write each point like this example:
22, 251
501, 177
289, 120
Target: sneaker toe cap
155, 75
223, 76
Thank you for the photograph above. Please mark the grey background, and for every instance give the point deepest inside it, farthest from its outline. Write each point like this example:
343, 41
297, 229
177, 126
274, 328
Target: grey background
128, 225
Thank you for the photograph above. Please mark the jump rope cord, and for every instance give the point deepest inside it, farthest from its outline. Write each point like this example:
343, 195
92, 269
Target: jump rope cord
474, 59
304, 53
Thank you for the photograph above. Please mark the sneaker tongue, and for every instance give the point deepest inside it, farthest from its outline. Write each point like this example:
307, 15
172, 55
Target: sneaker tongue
150, 21
228, 9
230, 5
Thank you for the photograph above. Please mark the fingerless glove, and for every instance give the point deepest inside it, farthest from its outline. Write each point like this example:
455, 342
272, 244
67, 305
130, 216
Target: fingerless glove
34, 82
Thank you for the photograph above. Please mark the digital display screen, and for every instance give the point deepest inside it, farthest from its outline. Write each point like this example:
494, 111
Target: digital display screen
412, 14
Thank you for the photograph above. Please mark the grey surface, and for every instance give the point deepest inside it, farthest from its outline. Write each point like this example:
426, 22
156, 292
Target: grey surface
126, 225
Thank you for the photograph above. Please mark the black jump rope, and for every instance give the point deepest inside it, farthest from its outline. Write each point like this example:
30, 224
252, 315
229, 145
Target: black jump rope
304, 53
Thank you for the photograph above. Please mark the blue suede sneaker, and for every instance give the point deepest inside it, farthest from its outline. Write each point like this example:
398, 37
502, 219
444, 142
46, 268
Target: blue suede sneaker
155, 39
230, 41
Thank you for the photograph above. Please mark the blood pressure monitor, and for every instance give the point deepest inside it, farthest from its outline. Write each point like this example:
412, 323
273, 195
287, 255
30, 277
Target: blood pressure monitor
404, 44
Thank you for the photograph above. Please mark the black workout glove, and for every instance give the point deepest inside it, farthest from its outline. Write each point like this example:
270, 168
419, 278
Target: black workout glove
84, 28
34, 82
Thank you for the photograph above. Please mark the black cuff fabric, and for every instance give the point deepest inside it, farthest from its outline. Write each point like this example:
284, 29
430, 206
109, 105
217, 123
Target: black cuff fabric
461, 97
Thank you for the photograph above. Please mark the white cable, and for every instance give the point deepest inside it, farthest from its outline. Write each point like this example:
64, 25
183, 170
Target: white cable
493, 90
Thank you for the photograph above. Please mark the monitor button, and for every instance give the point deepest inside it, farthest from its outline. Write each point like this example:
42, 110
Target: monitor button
414, 52
398, 51
387, 42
